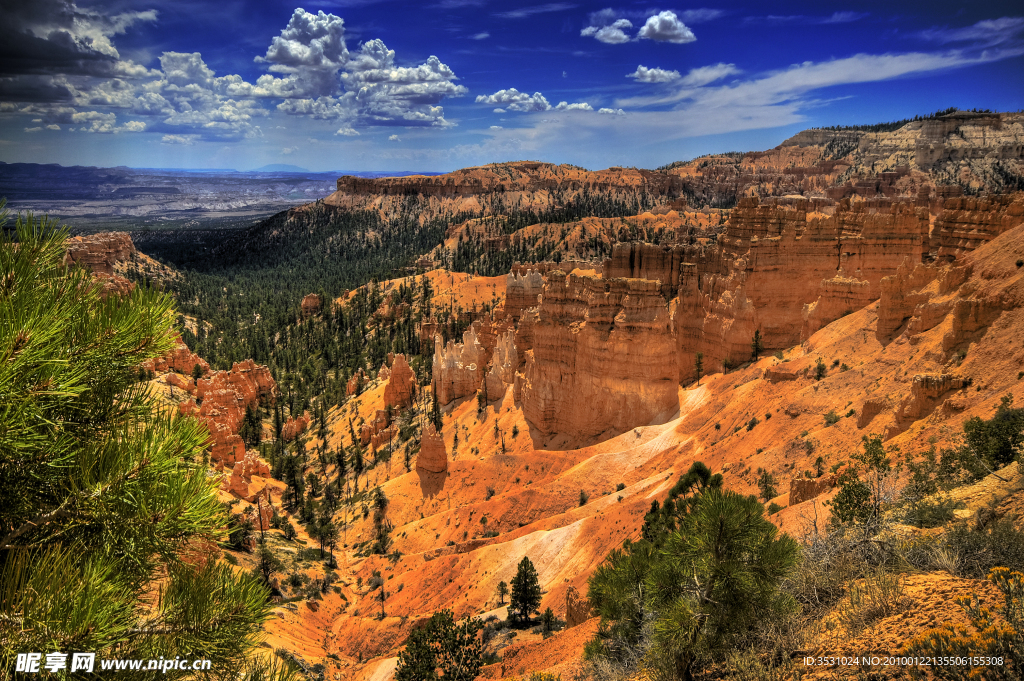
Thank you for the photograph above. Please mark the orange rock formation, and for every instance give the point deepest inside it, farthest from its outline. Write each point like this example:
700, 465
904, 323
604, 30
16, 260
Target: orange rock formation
458, 368
100, 252
401, 385
311, 304
433, 455
603, 357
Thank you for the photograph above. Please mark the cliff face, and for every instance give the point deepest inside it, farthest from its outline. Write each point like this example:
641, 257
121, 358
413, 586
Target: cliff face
492, 189
521, 292
966, 223
603, 357
100, 252
522, 176
920, 161
787, 274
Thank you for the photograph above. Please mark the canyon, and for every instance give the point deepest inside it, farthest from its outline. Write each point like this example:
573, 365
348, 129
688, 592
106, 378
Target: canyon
540, 411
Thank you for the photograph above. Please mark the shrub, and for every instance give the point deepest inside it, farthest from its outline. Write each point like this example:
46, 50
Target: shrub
490, 493
773, 508
547, 620
584, 497
852, 412
979, 550
831, 418
932, 511
844, 367
990, 637
767, 415
515, 431
619, 487
545, 676
880, 594
820, 370
751, 423
996, 440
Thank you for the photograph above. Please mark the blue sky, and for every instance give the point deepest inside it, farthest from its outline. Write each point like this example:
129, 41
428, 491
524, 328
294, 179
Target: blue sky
443, 84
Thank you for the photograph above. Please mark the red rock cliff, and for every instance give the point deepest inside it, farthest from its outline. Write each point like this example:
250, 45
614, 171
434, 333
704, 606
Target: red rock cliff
603, 357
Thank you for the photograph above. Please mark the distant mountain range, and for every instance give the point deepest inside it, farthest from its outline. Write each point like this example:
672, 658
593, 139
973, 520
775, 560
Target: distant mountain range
70, 191
279, 168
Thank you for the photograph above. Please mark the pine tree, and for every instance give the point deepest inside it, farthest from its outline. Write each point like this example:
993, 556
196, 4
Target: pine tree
435, 413
698, 365
756, 346
454, 649
102, 491
525, 591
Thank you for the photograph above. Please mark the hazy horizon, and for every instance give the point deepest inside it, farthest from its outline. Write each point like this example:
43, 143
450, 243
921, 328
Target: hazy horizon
387, 87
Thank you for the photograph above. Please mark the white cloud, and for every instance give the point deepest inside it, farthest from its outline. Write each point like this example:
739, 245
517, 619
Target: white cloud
311, 72
288, 150
698, 16
613, 34
525, 12
187, 140
611, 112
843, 17
480, 36
708, 74
667, 27
347, 132
394, 138
496, 127
987, 32
776, 98
654, 75
35, 129
309, 40
324, 80
576, 106
512, 99
53, 126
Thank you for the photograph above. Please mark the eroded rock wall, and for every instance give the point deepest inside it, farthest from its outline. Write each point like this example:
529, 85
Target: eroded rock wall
521, 292
100, 252
966, 223
603, 357
786, 274
458, 367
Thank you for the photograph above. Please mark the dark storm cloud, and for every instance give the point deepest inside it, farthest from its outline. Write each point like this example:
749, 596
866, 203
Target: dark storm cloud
56, 37
24, 53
